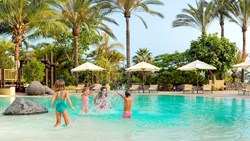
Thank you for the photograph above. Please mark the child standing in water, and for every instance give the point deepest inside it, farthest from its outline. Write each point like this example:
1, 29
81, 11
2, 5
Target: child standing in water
127, 112
85, 99
61, 95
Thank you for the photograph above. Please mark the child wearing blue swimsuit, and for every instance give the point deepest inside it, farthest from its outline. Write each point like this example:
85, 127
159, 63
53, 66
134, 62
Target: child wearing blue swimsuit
61, 105
61, 95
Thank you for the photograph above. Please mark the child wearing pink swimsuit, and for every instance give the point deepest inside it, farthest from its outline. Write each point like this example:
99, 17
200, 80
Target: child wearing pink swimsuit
85, 99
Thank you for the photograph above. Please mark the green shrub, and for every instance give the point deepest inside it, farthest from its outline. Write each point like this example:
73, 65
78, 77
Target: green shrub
34, 70
70, 87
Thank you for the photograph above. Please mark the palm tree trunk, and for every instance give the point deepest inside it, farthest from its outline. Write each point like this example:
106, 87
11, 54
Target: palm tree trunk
222, 25
128, 45
76, 55
17, 47
244, 29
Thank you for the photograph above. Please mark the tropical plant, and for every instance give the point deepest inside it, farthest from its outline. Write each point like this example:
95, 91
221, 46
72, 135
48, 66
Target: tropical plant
88, 14
240, 11
34, 71
169, 73
221, 11
5, 54
107, 56
142, 55
27, 17
131, 7
215, 51
198, 18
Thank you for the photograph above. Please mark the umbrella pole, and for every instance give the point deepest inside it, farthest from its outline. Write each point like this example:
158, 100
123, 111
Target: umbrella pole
87, 78
197, 80
143, 79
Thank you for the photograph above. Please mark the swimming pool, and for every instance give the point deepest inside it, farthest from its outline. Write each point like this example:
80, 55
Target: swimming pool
155, 117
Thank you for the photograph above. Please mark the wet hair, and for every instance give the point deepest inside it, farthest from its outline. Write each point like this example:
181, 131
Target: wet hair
59, 85
99, 94
103, 88
127, 93
106, 94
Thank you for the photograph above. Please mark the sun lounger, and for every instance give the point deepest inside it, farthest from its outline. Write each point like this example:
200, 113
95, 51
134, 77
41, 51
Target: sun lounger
207, 88
153, 88
188, 87
134, 87
246, 90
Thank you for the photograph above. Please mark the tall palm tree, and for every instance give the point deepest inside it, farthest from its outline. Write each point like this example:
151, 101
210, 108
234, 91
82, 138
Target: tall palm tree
131, 7
221, 11
240, 11
142, 55
198, 18
23, 17
78, 14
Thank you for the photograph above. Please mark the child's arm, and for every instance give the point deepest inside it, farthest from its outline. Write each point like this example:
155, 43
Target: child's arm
53, 99
120, 94
69, 101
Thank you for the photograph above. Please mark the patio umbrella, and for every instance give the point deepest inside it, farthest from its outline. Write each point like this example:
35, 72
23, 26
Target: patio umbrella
197, 65
243, 65
143, 66
87, 67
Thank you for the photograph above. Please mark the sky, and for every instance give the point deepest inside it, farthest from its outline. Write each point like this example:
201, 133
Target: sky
161, 37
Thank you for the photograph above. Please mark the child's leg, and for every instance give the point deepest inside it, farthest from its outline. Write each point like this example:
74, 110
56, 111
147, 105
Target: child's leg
83, 109
86, 110
58, 119
66, 117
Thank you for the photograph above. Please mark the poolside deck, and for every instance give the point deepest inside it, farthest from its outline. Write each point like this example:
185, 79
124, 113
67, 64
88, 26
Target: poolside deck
232, 94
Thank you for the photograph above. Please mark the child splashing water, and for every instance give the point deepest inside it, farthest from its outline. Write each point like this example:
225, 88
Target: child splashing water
85, 99
61, 95
102, 100
127, 112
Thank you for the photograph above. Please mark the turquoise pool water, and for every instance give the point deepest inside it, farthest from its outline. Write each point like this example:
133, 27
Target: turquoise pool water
155, 117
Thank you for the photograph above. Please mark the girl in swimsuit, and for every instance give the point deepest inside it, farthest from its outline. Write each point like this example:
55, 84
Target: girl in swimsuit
101, 100
85, 99
61, 95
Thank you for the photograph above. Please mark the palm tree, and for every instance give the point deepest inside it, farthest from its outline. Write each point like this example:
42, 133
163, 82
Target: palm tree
240, 11
221, 11
23, 17
198, 18
143, 55
88, 14
130, 7
107, 56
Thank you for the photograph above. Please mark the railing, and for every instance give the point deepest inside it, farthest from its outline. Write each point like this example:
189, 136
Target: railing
10, 74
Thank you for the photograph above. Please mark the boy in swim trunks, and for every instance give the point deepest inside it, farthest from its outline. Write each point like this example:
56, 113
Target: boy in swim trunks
85, 99
127, 112
61, 95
